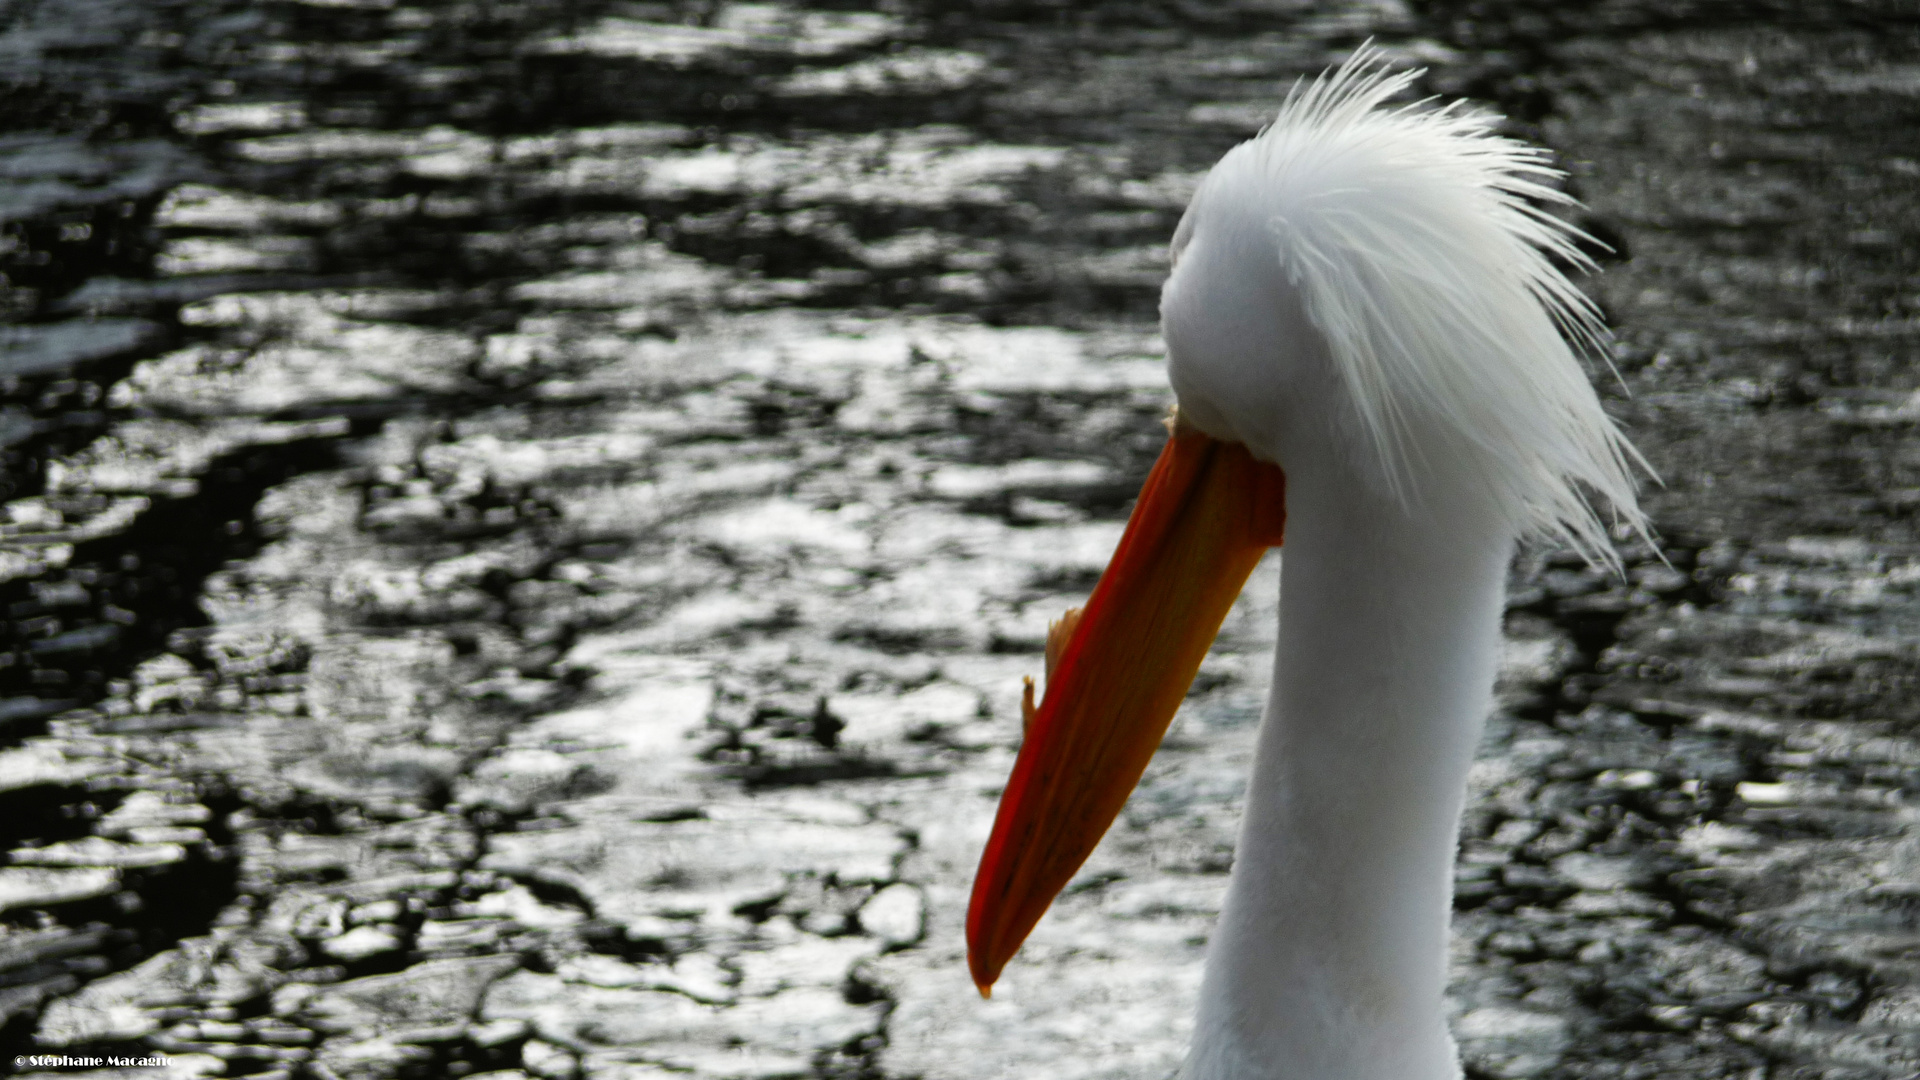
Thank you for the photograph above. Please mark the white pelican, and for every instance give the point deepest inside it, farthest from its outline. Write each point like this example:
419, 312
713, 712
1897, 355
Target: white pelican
1368, 338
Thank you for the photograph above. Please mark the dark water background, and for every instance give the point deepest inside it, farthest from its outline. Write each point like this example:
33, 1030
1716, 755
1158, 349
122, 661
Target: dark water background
524, 522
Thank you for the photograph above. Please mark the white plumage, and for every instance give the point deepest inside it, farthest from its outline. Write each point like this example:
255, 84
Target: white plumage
1368, 297
1420, 246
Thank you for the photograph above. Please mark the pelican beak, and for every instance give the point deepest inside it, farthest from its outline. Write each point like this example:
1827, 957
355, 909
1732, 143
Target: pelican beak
1115, 674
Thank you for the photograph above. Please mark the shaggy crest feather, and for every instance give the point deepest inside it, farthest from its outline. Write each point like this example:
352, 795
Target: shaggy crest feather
1423, 254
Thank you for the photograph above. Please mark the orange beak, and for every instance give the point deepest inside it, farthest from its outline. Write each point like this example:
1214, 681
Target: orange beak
1115, 675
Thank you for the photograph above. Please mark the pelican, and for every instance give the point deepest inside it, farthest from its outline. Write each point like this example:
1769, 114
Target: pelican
1372, 346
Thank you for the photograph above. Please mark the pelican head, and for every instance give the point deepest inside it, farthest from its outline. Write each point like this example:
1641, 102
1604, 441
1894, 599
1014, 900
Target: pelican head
1373, 349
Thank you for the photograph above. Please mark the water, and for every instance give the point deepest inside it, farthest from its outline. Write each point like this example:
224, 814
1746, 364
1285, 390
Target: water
525, 523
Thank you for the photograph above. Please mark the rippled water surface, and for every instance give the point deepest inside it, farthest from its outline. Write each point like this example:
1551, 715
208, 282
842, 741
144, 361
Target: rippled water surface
524, 522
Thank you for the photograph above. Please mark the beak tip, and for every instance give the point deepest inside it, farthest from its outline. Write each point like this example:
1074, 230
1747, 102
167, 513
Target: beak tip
984, 974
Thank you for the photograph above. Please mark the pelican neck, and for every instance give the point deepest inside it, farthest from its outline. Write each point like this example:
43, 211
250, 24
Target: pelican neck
1329, 962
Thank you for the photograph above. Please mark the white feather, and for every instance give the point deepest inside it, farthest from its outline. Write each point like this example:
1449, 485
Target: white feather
1369, 296
1422, 250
